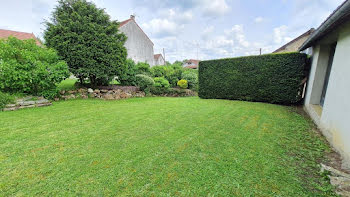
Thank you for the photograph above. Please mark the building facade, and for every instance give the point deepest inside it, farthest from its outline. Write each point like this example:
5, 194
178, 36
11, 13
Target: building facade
328, 87
139, 46
159, 60
294, 45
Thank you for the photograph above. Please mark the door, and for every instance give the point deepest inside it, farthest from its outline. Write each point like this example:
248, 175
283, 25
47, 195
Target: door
328, 73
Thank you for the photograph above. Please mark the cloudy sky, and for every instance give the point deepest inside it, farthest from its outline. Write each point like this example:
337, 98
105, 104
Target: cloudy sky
188, 29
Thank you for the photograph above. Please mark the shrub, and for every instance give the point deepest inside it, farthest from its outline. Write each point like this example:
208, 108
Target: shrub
5, 99
273, 78
161, 86
128, 75
158, 71
182, 84
143, 68
144, 82
161, 82
192, 78
88, 40
28, 68
51, 94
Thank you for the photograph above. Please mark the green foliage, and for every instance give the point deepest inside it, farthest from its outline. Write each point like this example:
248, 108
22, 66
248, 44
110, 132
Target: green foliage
51, 94
183, 84
158, 71
273, 78
5, 99
191, 76
128, 75
88, 40
143, 68
144, 82
161, 82
28, 68
171, 72
161, 86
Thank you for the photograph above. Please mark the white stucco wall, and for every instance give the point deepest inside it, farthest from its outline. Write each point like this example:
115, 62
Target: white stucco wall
334, 121
138, 45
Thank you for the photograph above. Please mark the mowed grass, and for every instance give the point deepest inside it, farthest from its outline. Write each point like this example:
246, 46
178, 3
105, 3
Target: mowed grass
160, 147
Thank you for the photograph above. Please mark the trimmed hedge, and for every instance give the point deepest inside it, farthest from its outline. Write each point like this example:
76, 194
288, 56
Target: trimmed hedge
272, 78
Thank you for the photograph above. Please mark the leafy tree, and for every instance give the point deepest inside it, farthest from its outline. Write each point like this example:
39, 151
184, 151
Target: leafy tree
128, 75
88, 40
28, 68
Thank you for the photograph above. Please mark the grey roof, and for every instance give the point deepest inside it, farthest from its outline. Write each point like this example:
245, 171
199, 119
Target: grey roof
338, 17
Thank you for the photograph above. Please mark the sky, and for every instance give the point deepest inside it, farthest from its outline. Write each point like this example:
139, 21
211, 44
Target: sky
194, 29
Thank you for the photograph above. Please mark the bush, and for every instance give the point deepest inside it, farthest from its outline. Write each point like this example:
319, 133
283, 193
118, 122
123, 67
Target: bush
161, 82
161, 86
5, 99
143, 68
182, 84
272, 78
144, 82
88, 40
28, 68
128, 75
158, 71
192, 78
51, 94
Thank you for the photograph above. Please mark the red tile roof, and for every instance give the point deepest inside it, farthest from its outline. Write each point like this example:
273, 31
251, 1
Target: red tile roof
4, 34
130, 19
195, 62
156, 56
192, 67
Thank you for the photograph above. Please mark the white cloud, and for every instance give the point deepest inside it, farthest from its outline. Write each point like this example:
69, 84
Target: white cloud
258, 19
215, 8
237, 33
162, 27
279, 34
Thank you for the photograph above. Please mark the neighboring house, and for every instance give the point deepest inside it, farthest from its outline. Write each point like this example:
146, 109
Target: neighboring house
328, 87
294, 45
138, 44
192, 64
159, 59
4, 34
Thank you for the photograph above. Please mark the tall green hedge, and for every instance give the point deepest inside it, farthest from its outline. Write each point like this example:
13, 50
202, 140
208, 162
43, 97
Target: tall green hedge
272, 78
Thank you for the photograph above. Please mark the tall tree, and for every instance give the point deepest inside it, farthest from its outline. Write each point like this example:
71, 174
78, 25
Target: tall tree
88, 40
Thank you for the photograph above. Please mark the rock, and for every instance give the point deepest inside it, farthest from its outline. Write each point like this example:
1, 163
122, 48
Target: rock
44, 104
57, 99
27, 103
10, 109
41, 101
139, 94
104, 91
97, 91
125, 95
63, 92
72, 92
84, 96
90, 90
108, 97
83, 90
10, 105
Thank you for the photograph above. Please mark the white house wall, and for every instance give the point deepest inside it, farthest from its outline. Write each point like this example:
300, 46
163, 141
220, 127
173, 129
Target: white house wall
334, 121
139, 47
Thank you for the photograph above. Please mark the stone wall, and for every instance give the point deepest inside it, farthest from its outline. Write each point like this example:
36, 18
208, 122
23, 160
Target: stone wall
106, 93
27, 102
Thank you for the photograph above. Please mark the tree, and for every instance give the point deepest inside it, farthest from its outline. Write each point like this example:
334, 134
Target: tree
128, 76
28, 68
87, 39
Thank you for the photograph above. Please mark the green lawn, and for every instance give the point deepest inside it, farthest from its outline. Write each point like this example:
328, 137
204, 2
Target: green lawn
160, 146
68, 84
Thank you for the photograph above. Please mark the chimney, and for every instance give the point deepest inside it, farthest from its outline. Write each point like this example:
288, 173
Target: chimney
132, 17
